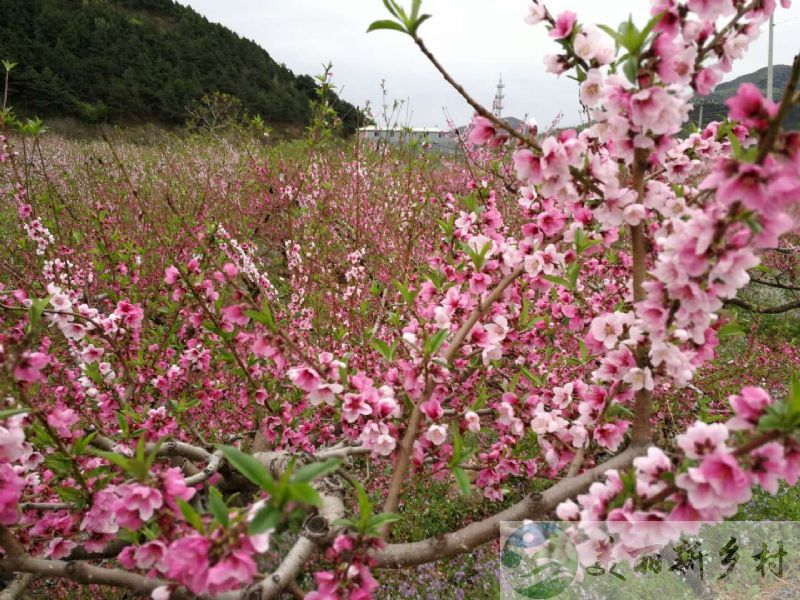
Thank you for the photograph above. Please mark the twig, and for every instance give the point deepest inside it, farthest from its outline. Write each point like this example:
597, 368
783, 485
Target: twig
479, 108
480, 310
47, 506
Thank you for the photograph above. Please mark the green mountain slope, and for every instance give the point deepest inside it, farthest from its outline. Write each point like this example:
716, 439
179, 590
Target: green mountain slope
141, 60
716, 110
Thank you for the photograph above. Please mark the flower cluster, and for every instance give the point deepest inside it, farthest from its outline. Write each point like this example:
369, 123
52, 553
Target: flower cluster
353, 578
622, 517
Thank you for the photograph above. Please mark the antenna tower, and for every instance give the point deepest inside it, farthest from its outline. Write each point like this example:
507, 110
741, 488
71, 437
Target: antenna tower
497, 104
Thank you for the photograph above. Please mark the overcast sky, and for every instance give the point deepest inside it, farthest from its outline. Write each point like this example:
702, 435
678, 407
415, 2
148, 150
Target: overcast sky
476, 40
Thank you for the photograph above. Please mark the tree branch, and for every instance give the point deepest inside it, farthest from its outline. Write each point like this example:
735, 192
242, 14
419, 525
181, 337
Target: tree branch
88, 574
640, 432
403, 459
480, 310
212, 467
317, 530
479, 108
775, 284
17, 586
10, 543
766, 310
475, 534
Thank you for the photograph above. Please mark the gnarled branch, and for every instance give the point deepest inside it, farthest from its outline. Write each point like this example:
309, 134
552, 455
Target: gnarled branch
475, 534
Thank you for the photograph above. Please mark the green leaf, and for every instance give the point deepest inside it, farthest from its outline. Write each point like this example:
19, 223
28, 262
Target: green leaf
735, 144
10, 412
385, 350
364, 503
524, 313
534, 379
618, 410
458, 449
68, 494
386, 24
364, 507
631, 69
248, 466
648, 29
316, 470
303, 492
114, 458
190, 514
732, 329
408, 295
345, 523
483, 396
83, 442
573, 271
774, 419
218, 507
389, 6
403, 16
150, 459
415, 5
614, 35
266, 518
628, 482
793, 400
463, 480
433, 343
446, 226
419, 22
557, 280
381, 519
35, 311
630, 37
140, 449
123, 424
478, 257
750, 220
264, 316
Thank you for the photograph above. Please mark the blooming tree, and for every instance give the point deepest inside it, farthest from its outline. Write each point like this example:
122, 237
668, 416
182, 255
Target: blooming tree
161, 443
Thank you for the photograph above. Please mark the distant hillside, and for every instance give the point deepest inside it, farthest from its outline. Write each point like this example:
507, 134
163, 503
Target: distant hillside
512, 122
716, 110
141, 60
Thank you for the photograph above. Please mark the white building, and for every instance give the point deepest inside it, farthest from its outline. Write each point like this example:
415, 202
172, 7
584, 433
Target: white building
433, 136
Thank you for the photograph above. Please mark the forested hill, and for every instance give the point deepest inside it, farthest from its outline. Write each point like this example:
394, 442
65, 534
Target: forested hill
141, 60
716, 110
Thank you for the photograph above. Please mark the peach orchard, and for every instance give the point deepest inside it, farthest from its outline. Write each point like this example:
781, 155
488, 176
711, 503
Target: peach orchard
206, 355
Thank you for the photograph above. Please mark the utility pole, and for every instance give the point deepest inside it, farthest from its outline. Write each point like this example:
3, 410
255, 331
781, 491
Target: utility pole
769, 58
